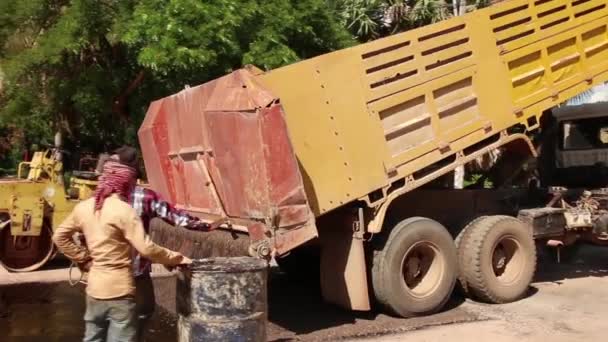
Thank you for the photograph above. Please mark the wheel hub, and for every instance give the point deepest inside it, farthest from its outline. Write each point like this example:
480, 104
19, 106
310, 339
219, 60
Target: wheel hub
499, 259
422, 269
413, 267
507, 260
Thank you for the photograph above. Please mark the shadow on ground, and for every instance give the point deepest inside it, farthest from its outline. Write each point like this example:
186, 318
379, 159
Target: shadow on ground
297, 313
38, 311
53, 312
44, 311
587, 261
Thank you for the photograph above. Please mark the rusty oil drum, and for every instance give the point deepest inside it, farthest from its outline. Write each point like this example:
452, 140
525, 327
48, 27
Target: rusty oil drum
223, 299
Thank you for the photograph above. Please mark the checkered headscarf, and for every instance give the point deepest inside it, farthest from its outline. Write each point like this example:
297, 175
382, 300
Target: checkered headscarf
117, 179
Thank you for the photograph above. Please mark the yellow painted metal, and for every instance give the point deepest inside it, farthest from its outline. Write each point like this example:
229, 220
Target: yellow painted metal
41, 196
44, 164
365, 117
38, 200
85, 188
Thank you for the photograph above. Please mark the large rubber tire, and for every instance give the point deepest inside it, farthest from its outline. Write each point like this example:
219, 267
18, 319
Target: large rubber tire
497, 259
414, 269
462, 286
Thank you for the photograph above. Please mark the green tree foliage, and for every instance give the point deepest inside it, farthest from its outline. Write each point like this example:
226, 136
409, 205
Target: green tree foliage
372, 19
89, 68
199, 40
66, 69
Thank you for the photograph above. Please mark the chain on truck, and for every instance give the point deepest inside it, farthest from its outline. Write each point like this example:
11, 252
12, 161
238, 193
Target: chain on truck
341, 156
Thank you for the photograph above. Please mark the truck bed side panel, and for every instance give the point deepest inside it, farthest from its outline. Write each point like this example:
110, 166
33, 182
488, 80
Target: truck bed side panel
366, 117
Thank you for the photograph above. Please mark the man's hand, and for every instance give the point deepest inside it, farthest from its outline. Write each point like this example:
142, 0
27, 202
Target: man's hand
185, 261
195, 224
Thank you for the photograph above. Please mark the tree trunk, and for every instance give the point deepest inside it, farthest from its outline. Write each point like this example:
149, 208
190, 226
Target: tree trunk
462, 9
459, 177
119, 106
455, 7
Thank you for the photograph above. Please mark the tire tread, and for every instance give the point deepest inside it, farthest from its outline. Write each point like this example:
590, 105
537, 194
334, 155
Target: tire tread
472, 257
381, 276
463, 286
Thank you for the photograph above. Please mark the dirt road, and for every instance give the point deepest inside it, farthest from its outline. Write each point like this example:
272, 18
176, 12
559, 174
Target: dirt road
567, 302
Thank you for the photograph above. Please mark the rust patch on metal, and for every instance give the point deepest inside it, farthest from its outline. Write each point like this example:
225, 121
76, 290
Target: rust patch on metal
222, 150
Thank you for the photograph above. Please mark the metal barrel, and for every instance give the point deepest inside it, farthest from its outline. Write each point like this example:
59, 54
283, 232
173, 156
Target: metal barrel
223, 299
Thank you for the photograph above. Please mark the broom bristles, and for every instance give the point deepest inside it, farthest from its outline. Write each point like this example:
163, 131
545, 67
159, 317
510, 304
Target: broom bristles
198, 244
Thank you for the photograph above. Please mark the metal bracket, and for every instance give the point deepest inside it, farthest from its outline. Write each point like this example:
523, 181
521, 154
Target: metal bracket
558, 245
261, 249
389, 170
519, 112
359, 224
487, 126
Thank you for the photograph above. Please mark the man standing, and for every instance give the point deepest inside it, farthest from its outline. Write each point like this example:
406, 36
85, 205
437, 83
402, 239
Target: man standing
148, 205
111, 228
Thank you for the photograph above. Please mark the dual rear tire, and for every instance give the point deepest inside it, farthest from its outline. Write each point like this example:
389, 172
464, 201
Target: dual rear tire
497, 259
416, 266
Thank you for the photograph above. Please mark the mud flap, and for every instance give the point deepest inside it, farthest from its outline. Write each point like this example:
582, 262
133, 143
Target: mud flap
343, 269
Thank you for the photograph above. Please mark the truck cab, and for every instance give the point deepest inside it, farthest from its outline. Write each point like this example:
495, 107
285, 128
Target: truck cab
576, 150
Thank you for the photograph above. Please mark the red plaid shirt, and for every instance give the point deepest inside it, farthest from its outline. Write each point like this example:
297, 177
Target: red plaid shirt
148, 205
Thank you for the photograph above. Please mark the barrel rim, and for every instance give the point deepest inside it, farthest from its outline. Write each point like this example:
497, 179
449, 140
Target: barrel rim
228, 265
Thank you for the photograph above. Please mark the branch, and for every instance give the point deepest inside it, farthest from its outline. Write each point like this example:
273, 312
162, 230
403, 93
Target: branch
120, 102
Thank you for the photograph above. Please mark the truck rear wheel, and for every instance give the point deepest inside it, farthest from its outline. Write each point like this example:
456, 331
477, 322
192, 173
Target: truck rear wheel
462, 283
497, 259
415, 269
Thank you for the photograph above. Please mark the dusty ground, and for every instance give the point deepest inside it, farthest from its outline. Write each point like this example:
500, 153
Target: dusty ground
566, 303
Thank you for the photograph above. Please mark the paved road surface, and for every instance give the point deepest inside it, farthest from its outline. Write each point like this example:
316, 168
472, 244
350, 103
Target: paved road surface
566, 303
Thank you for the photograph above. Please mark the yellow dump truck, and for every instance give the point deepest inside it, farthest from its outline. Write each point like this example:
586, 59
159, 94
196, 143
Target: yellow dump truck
339, 152
336, 151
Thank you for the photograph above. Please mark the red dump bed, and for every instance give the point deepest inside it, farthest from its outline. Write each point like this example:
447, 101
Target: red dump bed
222, 150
